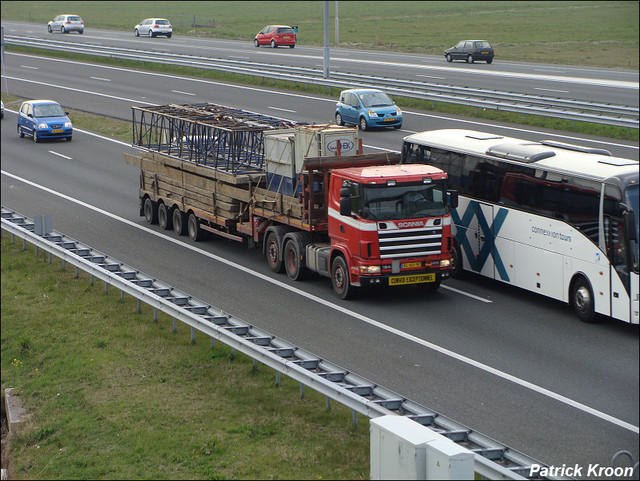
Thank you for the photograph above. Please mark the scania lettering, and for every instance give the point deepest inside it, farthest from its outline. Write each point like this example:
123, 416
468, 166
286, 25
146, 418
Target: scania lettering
557, 219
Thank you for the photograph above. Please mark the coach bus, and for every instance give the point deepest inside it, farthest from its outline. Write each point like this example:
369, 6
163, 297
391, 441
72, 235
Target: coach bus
550, 217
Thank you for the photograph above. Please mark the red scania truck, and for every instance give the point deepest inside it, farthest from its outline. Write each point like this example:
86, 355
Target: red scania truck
305, 193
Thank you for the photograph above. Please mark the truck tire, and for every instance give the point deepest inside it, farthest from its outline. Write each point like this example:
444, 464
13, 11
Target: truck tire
294, 256
150, 211
179, 222
458, 267
193, 228
273, 252
165, 220
340, 278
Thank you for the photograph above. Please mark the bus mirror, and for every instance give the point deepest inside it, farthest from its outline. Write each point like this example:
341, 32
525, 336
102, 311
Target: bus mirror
630, 226
453, 199
345, 205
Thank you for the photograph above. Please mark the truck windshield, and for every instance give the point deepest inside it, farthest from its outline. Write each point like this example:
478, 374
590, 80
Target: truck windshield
402, 201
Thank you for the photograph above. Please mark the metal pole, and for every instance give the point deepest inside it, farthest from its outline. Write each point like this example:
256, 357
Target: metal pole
326, 40
4, 73
337, 32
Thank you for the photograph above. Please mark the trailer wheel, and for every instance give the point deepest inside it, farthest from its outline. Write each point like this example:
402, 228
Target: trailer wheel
582, 300
193, 228
150, 211
165, 219
294, 257
179, 222
340, 278
273, 252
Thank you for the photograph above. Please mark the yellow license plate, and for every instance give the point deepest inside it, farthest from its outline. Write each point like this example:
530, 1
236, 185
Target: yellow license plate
407, 265
484, 53
59, 131
417, 279
389, 119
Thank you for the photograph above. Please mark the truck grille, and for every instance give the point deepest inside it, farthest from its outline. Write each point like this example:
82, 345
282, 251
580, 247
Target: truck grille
410, 242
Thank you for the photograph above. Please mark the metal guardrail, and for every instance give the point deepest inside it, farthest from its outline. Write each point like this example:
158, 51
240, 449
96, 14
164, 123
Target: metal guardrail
493, 460
594, 112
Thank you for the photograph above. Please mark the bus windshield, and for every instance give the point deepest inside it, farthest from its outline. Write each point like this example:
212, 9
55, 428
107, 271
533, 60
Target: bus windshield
403, 201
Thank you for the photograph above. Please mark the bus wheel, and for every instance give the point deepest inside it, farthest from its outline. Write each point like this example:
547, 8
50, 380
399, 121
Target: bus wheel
340, 278
582, 300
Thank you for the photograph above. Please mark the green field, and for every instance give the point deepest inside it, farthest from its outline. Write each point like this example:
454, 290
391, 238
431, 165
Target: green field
113, 395
593, 33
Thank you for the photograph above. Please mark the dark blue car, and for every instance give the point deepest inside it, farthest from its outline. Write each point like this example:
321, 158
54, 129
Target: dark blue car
43, 119
367, 108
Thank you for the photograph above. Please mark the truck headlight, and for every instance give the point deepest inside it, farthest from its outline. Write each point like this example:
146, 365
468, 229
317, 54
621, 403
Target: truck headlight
445, 263
365, 270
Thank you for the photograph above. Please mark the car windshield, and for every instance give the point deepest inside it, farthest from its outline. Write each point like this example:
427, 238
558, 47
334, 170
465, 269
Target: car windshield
403, 201
375, 99
48, 110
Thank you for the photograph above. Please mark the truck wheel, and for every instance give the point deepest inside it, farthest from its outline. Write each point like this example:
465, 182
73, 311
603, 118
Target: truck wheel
150, 211
165, 219
273, 252
458, 268
293, 257
340, 278
582, 300
193, 228
179, 222
430, 286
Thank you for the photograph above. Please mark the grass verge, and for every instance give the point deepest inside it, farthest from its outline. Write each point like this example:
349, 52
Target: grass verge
586, 128
113, 395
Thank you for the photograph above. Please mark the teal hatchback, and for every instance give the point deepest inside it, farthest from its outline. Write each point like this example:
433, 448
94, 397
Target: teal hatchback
367, 108
44, 119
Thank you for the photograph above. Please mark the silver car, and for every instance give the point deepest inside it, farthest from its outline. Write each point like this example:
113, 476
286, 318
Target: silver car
153, 27
66, 24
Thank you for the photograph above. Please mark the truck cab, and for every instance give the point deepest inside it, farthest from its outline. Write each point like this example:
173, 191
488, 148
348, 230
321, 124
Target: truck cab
389, 225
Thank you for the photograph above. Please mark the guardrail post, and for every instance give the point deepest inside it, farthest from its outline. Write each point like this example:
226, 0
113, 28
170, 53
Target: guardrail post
106, 287
122, 296
64, 265
24, 244
328, 404
77, 272
90, 276
37, 251
213, 340
355, 418
155, 314
50, 258
193, 335
175, 327
301, 391
277, 378
139, 306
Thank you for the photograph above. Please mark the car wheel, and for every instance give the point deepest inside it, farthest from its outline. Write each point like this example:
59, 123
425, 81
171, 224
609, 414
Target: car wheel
255, 42
69, 139
36, 139
136, 33
168, 35
273, 44
20, 132
80, 32
339, 120
153, 34
363, 124
291, 46
397, 127
469, 58
63, 30
49, 29
449, 58
489, 60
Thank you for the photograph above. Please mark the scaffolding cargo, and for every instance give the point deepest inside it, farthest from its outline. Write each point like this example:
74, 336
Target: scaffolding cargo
221, 137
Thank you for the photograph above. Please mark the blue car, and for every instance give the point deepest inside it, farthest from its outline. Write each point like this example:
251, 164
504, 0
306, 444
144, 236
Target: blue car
367, 108
43, 119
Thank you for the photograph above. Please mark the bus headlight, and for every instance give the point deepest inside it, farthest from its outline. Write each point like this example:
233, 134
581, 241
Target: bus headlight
368, 270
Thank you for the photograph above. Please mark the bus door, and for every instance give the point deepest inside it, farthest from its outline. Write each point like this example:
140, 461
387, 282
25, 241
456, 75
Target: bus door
474, 233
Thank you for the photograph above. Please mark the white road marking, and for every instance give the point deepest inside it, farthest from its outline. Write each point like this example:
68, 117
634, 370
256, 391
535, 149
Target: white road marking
372, 322
60, 155
100, 78
183, 93
28, 66
284, 110
431, 76
552, 90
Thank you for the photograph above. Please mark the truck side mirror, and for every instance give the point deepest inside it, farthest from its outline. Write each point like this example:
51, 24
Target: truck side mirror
345, 201
453, 199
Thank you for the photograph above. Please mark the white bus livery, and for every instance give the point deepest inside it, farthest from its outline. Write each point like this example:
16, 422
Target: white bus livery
554, 218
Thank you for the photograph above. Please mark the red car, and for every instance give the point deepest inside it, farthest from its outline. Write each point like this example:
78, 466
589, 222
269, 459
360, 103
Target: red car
276, 35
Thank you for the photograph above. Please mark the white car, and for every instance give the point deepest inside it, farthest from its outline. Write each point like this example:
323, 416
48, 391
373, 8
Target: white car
153, 27
66, 24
